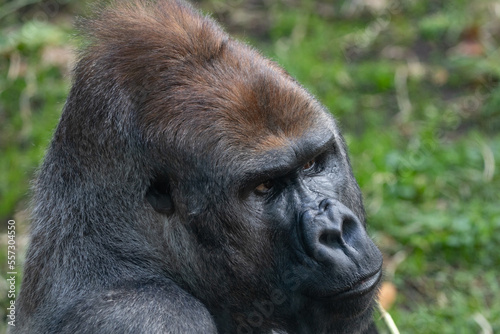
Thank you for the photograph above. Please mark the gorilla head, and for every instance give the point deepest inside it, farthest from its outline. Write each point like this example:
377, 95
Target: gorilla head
193, 186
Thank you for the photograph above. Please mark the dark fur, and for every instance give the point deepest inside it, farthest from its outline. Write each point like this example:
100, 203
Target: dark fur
141, 222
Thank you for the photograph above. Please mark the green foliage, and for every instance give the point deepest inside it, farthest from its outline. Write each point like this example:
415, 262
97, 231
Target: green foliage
31, 97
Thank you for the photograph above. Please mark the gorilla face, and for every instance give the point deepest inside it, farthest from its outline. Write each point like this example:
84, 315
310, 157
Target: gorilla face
308, 201
331, 269
280, 224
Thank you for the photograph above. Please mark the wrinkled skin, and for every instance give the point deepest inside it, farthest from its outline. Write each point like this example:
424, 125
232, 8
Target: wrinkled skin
193, 186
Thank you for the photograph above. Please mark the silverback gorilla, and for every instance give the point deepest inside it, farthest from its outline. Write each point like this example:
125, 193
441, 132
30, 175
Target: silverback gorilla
193, 186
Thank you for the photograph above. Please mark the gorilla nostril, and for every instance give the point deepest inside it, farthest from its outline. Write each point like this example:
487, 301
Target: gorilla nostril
349, 228
331, 237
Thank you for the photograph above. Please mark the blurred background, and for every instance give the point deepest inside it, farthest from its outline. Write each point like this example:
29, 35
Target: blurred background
415, 87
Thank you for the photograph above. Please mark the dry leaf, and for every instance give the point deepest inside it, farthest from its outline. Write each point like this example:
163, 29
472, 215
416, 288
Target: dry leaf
387, 296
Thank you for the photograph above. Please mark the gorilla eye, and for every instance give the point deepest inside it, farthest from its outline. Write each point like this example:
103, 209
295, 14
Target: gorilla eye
265, 187
309, 165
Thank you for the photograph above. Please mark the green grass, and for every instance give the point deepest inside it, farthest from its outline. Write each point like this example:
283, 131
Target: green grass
419, 107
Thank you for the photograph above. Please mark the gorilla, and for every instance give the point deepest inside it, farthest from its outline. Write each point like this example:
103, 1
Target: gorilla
192, 186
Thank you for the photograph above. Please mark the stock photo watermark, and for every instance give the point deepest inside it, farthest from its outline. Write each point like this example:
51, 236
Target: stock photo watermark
11, 272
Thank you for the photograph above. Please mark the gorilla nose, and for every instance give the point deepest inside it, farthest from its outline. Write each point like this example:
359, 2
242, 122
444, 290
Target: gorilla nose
329, 229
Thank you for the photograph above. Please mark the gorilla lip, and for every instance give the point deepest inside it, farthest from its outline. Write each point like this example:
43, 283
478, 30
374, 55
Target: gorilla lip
361, 287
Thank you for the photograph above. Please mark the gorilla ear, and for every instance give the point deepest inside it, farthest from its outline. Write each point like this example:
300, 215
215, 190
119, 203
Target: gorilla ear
158, 195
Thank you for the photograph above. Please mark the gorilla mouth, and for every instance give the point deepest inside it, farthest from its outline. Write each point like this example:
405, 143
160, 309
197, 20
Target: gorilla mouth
361, 287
